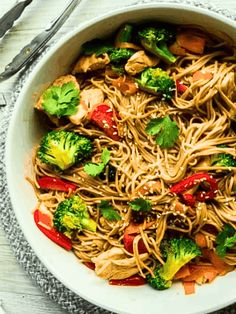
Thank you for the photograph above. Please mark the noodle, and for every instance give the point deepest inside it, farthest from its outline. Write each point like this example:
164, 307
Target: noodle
203, 114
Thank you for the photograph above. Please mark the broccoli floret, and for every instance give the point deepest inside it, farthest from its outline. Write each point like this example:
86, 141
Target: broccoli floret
157, 82
223, 159
124, 34
156, 40
72, 215
63, 149
120, 55
177, 252
225, 240
97, 46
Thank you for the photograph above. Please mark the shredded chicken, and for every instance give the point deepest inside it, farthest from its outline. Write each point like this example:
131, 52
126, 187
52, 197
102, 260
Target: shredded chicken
114, 264
89, 98
139, 61
91, 63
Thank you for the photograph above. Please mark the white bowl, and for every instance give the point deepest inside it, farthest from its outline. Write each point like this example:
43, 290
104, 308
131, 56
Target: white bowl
25, 131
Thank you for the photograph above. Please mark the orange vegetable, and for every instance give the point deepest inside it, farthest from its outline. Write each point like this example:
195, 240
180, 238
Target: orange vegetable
217, 262
191, 42
189, 287
177, 50
202, 75
201, 273
125, 85
200, 240
183, 272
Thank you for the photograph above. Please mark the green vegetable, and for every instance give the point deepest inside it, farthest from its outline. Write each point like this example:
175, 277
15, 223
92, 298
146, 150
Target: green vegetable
140, 204
156, 81
223, 159
156, 40
72, 215
120, 55
177, 252
225, 240
108, 212
166, 130
63, 149
61, 100
96, 46
118, 68
94, 169
124, 34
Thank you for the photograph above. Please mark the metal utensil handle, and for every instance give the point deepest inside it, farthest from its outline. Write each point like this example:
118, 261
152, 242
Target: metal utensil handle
28, 53
8, 19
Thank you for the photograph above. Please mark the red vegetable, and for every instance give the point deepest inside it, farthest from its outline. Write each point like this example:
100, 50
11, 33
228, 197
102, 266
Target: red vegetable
90, 265
128, 240
104, 117
209, 191
134, 280
180, 86
51, 183
53, 234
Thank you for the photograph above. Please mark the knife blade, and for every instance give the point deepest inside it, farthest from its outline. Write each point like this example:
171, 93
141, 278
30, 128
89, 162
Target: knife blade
31, 50
8, 19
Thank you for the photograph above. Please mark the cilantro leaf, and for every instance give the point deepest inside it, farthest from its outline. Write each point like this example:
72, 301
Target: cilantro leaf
61, 100
108, 212
167, 131
140, 204
105, 157
94, 169
225, 239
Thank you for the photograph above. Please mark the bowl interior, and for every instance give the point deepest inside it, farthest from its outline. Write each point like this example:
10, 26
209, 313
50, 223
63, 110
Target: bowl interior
25, 132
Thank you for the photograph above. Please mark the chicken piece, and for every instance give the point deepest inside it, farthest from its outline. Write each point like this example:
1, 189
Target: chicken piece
58, 82
139, 61
89, 98
91, 63
114, 264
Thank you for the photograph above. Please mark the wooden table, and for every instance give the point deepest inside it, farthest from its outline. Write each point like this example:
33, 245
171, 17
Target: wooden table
17, 292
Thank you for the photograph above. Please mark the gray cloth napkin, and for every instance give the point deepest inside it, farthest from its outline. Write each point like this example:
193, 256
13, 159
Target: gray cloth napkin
67, 299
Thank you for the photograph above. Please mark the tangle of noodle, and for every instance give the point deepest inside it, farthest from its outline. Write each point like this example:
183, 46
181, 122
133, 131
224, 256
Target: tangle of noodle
204, 114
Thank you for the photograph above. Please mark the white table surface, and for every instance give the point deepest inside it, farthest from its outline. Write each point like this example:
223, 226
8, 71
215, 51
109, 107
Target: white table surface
18, 293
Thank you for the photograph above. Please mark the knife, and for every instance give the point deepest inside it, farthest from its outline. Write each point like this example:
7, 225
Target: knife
30, 51
8, 19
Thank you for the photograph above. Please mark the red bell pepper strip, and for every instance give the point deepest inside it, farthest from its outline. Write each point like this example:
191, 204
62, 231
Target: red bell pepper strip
57, 237
197, 179
180, 86
128, 240
134, 280
104, 117
90, 265
51, 183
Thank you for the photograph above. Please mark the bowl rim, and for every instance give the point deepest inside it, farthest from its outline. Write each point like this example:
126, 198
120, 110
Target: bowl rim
55, 46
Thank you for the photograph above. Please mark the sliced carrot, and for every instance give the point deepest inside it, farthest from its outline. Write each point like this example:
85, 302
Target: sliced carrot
200, 240
179, 207
177, 50
189, 287
45, 217
202, 75
183, 272
201, 273
125, 85
217, 262
191, 42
